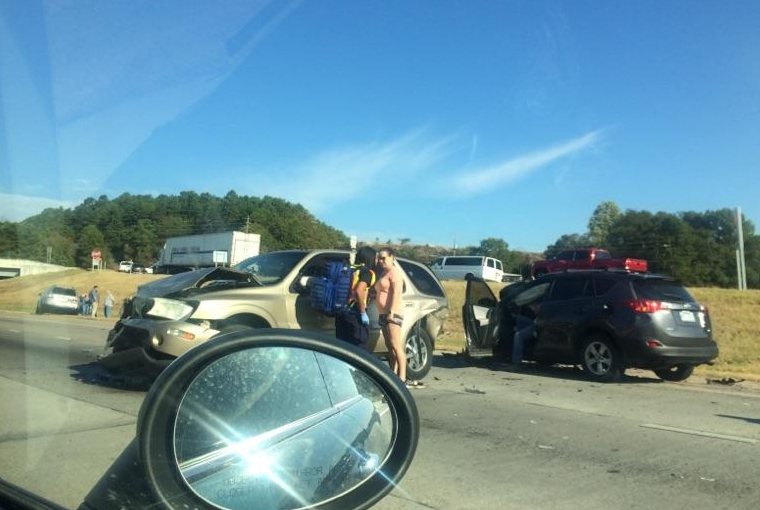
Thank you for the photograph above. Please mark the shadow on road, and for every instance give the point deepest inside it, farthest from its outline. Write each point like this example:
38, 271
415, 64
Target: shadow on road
455, 361
756, 421
93, 373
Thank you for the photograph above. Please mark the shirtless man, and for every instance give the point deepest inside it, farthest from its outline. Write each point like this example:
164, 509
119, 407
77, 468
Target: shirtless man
388, 298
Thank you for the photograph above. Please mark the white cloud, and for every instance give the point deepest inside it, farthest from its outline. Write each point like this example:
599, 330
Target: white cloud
339, 175
20, 207
482, 180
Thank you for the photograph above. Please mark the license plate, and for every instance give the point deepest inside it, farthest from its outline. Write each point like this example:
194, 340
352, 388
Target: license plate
687, 316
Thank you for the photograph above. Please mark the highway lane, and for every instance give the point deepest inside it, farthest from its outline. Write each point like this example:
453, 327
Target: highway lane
63, 420
58, 354
549, 439
490, 438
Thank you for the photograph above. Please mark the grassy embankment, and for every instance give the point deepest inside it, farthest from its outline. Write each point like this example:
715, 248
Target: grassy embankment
735, 315
20, 294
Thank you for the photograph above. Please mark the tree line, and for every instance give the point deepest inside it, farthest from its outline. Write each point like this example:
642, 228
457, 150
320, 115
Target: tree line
699, 248
135, 227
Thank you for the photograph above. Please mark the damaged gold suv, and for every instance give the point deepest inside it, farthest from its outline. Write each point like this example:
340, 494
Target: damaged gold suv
167, 317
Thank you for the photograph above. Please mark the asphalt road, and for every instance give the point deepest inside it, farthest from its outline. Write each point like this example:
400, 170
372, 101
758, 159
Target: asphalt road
490, 438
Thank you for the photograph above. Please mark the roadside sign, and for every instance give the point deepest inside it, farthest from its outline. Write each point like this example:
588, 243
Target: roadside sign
96, 253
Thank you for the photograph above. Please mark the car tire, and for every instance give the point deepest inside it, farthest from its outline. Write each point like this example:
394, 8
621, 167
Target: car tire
601, 359
539, 273
419, 353
675, 373
38, 310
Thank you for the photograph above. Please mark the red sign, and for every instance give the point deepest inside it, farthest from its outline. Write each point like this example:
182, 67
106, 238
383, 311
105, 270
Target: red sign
96, 253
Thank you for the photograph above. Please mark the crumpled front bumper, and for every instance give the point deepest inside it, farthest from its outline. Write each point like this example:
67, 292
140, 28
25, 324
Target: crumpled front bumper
148, 346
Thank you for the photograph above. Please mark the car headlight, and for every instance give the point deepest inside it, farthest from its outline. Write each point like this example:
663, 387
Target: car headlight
169, 309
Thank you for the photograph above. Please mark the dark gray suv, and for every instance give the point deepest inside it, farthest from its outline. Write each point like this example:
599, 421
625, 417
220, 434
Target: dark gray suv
605, 321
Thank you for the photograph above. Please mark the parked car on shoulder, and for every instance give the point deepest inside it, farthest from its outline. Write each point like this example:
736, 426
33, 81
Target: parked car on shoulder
125, 266
57, 299
587, 258
458, 267
604, 321
138, 268
170, 316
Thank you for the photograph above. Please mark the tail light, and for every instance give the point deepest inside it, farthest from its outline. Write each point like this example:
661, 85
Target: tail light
645, 305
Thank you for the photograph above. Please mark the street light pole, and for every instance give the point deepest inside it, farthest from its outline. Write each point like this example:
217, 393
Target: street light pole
742, 268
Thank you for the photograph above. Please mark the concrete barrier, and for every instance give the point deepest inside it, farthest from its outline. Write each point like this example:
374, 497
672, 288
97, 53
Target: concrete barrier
11, 268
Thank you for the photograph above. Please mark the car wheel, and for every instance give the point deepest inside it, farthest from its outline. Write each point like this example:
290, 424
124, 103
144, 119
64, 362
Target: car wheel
601, 360
539, 273
419, 353
675, 372
38, 310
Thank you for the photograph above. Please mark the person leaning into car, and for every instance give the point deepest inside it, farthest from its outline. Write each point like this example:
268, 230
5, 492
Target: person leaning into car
353, 325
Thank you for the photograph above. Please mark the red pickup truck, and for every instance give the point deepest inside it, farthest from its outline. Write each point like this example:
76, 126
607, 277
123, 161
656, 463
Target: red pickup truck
588, 258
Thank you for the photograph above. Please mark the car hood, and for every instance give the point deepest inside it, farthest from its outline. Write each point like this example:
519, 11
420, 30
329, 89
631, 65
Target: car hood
197, 282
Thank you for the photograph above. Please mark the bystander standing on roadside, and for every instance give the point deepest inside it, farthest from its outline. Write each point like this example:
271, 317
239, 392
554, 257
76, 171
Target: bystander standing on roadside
389, 288
94, 298
108, 304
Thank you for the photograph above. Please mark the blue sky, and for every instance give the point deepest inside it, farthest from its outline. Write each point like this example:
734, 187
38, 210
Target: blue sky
440, 121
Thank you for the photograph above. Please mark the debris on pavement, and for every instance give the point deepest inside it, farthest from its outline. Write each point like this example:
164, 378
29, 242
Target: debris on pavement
475, 391
726, 381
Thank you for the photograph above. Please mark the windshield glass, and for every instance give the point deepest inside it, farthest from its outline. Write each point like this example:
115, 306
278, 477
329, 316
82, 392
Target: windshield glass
174, 171
272, 267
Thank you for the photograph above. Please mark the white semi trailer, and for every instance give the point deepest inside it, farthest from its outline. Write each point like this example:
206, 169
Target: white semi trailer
184, 253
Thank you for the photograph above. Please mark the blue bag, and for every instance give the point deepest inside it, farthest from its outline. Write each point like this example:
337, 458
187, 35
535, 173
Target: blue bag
329, 293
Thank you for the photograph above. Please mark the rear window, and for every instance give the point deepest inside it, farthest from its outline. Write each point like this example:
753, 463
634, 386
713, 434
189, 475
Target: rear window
64, 292
601, 254
612, 289
662, 290
422, 279
582, 254
464, 261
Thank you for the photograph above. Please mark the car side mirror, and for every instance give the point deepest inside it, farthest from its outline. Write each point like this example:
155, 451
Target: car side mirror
302, 285
272, 419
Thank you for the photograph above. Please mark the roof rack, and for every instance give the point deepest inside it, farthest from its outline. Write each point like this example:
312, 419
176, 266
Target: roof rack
603, 270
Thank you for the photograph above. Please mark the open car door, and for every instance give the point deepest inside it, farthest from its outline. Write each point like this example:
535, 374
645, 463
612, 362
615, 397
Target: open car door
481, 318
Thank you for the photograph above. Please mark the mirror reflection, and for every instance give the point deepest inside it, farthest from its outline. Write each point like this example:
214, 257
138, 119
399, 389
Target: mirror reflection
280, 428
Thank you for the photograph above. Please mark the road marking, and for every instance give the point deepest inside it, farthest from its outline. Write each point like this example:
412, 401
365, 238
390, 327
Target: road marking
63, 338
14, 331
700, 433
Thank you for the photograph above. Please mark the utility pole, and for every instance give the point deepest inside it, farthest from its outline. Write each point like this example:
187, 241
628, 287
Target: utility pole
741, 267
247, 223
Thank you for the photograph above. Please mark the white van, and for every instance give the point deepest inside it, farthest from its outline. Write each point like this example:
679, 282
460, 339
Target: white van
459, 266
